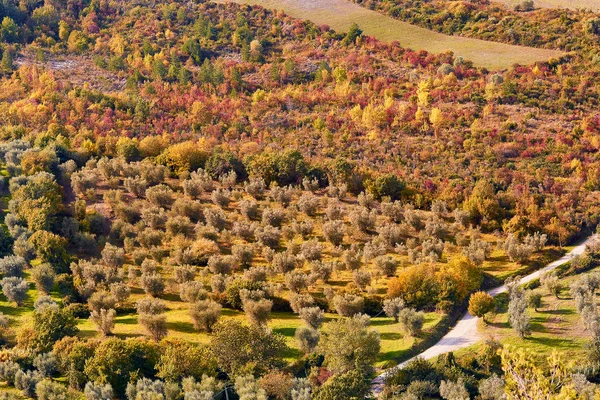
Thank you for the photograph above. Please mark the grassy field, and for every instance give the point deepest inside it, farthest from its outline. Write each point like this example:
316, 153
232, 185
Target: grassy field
556, 326
340, 14
574, 4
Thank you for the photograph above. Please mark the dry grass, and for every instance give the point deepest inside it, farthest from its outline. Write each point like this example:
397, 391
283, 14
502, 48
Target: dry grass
340, 14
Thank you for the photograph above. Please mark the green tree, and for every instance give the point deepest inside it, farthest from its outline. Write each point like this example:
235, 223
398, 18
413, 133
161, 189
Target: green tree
349, 344
386, 185
181, 359
51, 324
117, 361
246, 349
349, 385
51, 248
353, 33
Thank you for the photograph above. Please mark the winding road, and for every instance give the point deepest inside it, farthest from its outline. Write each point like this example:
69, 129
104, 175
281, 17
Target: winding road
465, 332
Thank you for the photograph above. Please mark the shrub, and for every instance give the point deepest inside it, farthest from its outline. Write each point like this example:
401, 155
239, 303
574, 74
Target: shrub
12, 266
8, 370
268, 236
296, 281
258, 311
45, 363
284, 262
184, 273
308, 203
393, 307
153, 284
273, 217
104, 319
101, 300
243, 254
348, 305
481, 303
386, 186
160, 195
155, 325
454, 390
411, 321
334, 232
149, 305
43, 275
215, 218
26, 382
515, 250
312, 316
307, 338
363, 220
192, 291
256, 188
205, 314
249, 209
221, 197
98, 391
551, 283
361, 279
219, 264
238, 347
311, 250
387, 265
15, 289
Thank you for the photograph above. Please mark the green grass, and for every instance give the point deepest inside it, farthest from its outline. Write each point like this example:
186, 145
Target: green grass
340, 14
556, 326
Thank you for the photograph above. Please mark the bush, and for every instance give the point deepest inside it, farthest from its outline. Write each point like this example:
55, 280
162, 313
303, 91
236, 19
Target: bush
284, 262
387, 265
296, 281
153, 284
243, 254
192, 291
184, 273
481, 303
46, 364
12, 266
104, 319
98, 391
155, 325
43, 275
348, 305
205, 314
15, 289
8, 370
258, 311
160, 195
273, 217
268, 236
307, 338
27, 381
393, 307
311, 250
386, 186
312, 316
334, 232
219, 264
411, 321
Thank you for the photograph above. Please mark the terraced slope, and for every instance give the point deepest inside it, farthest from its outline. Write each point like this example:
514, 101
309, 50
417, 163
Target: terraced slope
340, 14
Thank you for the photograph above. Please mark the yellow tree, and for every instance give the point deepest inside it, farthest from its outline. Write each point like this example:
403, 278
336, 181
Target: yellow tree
526, 379
436, 118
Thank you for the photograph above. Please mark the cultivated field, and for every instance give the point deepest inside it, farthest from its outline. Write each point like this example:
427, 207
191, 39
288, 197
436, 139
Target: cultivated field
340, 14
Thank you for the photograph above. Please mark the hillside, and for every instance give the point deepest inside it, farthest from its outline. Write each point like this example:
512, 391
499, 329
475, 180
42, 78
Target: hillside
210, 200
340, 14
